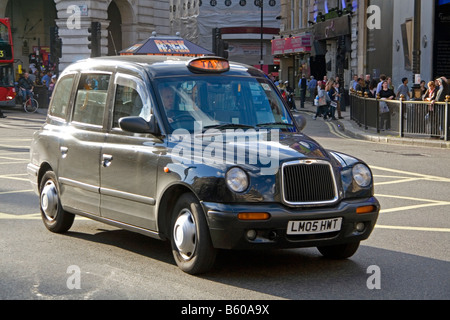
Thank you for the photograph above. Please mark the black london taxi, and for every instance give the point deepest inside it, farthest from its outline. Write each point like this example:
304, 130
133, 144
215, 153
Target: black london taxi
201, 152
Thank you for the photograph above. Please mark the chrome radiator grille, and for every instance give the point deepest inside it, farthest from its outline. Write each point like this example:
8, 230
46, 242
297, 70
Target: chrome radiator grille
308, 182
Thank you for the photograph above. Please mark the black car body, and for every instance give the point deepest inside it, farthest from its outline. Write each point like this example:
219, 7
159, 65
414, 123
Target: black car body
227, 168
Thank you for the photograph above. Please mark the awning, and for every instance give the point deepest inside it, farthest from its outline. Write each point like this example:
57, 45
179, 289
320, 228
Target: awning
166, 45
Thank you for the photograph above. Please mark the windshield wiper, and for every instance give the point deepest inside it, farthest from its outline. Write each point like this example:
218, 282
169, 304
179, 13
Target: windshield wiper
228, 126
269, 124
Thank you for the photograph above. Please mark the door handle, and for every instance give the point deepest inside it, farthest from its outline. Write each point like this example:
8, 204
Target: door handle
106, 160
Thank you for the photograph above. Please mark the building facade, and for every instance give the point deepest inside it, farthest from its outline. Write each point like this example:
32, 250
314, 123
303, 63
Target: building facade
127, 22
402, 38
123, 23
329, 33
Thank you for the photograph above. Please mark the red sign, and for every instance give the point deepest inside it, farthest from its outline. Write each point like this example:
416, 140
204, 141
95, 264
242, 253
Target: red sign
291, 45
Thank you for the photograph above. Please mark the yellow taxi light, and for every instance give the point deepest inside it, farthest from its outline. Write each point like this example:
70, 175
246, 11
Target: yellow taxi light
365, 209
212, 64
253, 216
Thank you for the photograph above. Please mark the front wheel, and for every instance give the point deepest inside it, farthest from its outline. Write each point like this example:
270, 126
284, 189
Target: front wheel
54, 217
31, 105
340, 251
191, 242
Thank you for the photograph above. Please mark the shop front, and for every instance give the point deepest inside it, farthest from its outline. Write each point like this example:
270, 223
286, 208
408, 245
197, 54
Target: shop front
332, 49
293, 54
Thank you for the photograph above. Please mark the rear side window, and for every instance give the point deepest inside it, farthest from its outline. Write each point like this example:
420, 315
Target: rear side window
90, 99
61, 97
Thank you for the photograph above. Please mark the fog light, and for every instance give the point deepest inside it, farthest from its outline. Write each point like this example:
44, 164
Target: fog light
360, 226
251, 234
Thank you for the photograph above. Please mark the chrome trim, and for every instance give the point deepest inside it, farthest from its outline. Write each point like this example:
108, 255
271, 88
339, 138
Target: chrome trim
312, 203
108, 192
127, 196
77, 184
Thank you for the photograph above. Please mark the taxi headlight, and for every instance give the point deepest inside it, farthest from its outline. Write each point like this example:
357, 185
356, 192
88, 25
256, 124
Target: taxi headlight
237, 179
362, 175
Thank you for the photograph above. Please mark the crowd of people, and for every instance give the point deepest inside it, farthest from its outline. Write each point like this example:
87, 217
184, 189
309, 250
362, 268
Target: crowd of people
373, 87
29, 80
327, 95
383, 89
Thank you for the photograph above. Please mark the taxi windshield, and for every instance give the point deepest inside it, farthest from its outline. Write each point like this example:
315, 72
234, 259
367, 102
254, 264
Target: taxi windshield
219, 102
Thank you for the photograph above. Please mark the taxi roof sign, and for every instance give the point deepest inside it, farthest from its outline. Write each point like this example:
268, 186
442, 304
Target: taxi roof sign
209, 64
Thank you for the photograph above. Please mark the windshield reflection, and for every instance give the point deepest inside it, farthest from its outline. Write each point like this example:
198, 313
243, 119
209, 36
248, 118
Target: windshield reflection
222, 103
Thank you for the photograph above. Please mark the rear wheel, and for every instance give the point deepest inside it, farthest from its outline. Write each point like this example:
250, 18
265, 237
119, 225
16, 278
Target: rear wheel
54, 217
191, 242
340, 251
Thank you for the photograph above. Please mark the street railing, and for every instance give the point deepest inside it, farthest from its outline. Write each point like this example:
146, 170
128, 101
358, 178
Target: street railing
422, 119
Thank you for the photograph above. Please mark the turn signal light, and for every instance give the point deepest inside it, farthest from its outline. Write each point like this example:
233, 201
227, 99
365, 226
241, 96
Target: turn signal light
365, 209
253, 216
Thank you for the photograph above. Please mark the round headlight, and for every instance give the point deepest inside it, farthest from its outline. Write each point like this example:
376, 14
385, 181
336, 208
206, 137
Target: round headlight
237, 179
362, 175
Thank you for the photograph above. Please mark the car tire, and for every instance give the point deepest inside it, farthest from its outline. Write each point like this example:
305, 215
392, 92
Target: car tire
340, 251
54, 217
190, 238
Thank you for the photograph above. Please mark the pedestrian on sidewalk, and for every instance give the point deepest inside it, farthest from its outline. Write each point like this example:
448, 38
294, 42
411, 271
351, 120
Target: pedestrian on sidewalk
385, 117
403, 90
302, 84
312, 87
322, 104
335, 104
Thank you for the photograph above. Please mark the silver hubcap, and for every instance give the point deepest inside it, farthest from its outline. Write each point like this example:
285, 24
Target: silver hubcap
185, 235
49, 200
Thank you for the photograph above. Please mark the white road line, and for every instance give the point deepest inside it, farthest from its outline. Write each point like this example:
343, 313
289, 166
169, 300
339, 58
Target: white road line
418, 175
413, 228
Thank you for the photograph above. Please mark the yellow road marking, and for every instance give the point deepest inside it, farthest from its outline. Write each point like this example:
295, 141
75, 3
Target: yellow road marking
14, 177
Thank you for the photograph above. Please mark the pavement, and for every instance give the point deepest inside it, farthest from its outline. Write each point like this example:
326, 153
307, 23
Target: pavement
352, 129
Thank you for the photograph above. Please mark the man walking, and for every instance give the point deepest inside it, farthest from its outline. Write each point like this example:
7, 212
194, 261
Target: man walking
312, 87
302, 85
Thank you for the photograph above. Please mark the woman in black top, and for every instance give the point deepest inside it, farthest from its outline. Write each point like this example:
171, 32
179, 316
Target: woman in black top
385, 94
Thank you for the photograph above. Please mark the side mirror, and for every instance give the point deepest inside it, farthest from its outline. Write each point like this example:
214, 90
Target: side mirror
139, 125
301, 121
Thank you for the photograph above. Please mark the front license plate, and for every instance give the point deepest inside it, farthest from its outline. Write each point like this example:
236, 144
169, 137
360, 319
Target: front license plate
314, 226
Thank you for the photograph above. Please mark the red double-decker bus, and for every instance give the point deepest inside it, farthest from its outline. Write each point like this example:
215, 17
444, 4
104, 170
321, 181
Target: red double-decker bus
7, 89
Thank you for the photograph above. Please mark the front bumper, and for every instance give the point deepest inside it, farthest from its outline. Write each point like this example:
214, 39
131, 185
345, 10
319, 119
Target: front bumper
228, 232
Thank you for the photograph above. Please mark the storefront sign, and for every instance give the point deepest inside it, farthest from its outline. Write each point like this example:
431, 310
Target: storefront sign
291, 45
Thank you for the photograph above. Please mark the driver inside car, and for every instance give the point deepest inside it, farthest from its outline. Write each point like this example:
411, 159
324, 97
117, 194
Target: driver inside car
168, 98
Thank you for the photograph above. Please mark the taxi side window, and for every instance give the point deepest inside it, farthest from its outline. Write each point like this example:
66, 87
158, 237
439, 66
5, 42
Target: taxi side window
90, 99
130, 100
61, 97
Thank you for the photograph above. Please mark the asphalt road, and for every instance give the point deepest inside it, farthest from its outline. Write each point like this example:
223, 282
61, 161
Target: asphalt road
406, 257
